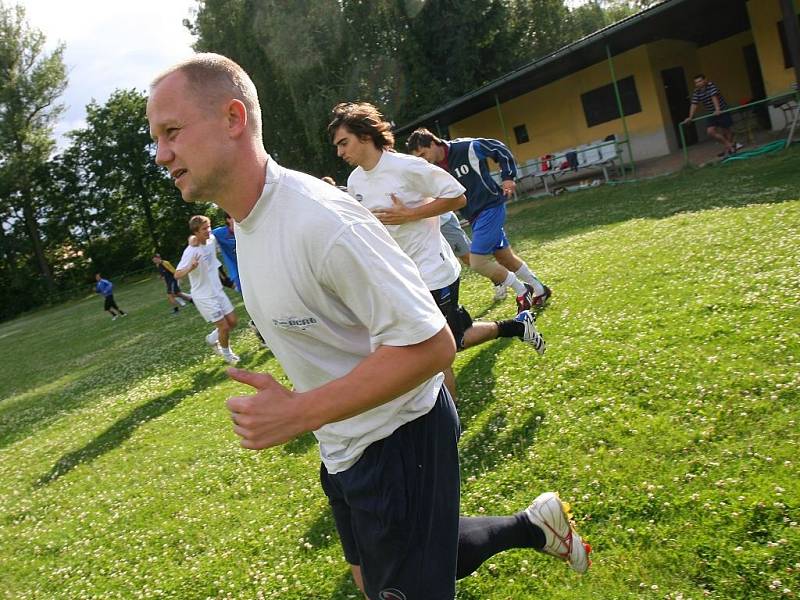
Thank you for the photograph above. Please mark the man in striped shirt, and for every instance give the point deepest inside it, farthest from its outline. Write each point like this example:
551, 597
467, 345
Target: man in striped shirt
719, 124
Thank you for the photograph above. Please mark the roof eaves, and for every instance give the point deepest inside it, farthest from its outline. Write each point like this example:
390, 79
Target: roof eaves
540, 62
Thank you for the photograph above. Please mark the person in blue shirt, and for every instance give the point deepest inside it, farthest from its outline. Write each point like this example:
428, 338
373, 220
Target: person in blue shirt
226, 243
106, 289
466, 160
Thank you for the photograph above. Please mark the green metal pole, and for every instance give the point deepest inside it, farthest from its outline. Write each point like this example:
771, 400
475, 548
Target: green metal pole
683, 146
619, 107
502, 122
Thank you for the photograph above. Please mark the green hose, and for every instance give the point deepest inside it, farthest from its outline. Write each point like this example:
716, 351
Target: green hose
761, 150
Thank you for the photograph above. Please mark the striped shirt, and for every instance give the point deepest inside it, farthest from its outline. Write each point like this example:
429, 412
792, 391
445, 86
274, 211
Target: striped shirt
705, 94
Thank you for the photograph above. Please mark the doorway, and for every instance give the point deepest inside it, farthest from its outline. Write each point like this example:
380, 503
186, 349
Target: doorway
757, 90
677, 94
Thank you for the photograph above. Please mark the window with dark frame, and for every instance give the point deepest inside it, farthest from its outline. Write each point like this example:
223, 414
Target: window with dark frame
521, 134
787, 57
600, 105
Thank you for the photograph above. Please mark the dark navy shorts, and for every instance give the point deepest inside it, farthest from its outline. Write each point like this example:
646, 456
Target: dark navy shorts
109, 302
397, 508
457, 317
173, 287
724, 120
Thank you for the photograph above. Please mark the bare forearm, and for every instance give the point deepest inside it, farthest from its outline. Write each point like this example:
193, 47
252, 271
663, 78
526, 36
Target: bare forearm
387, 373
181, 273
439, 206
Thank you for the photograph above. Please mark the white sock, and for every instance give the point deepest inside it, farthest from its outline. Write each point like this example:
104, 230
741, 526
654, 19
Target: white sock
528, 277
512, 282
213, 337
180, 301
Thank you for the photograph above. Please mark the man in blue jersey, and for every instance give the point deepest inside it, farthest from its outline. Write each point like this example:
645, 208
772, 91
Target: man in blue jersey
719, 124
106, 289
466, 160
226, 242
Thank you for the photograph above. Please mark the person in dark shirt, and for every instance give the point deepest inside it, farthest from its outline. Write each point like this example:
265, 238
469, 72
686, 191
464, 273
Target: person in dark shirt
719, 124
174, 294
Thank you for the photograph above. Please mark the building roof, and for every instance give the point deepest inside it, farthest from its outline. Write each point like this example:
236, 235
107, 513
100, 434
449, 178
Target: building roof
701, 22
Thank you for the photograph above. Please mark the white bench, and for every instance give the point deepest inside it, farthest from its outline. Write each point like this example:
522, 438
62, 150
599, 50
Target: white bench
600, 155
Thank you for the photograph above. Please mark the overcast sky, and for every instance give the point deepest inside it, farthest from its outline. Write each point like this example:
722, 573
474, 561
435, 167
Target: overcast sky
110, 44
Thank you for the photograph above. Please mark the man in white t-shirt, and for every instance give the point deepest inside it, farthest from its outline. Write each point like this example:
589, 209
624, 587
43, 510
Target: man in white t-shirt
408, 194
348, 317
201, 264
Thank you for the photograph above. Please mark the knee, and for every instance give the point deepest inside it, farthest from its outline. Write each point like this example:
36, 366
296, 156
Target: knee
478, 262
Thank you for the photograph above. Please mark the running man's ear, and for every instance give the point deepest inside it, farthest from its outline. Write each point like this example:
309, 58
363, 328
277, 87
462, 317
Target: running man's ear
236, 113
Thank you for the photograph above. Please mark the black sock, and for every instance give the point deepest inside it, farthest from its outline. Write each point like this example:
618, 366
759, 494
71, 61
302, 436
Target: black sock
174, 309
510, 328
480, 538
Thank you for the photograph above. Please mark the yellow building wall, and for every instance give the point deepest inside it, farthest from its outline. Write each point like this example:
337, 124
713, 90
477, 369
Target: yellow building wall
668, 54
554, 117
723, 63
554, 114
764, 16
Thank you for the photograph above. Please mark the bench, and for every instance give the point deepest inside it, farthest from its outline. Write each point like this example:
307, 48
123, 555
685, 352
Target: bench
601, 155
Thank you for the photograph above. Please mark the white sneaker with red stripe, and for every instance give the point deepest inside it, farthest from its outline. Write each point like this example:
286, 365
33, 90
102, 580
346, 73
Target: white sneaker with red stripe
552, 516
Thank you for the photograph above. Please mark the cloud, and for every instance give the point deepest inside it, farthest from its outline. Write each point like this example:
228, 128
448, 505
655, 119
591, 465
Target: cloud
110, 45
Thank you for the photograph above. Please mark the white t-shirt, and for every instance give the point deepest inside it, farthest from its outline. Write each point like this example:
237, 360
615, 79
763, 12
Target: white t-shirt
205, 278
326, 285
414, 181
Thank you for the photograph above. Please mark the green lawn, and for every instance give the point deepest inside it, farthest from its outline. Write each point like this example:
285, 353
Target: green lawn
666, 411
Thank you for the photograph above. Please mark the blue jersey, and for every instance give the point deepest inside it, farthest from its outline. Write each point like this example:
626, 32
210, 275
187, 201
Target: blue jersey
104, 287
466, 161
226, 242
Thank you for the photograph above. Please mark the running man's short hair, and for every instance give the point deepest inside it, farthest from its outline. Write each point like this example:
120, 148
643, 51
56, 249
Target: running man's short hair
421, 138
215, 77
364, 120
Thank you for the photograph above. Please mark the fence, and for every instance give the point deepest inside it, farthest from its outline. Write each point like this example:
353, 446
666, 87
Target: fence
748, 126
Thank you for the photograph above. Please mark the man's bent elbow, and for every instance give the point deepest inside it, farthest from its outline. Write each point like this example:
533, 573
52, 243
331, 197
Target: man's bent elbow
444, 349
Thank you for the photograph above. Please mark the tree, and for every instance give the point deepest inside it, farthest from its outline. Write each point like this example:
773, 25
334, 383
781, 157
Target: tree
120, 205
406, 56
31, 81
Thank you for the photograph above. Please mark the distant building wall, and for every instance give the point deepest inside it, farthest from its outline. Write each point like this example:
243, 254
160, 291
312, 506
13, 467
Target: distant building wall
723, 63
764, 18
554, 117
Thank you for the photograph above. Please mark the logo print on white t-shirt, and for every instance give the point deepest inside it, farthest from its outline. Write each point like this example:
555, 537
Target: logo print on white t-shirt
294, 323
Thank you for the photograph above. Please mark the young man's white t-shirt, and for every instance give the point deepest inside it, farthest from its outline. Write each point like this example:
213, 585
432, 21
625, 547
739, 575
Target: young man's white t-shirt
205, 278
326, 285
413, 181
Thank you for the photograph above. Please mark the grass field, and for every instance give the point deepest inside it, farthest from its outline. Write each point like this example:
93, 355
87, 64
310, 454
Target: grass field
666, 411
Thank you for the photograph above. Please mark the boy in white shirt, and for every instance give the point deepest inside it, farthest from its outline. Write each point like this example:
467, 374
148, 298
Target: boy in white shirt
199, 261
408, 194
